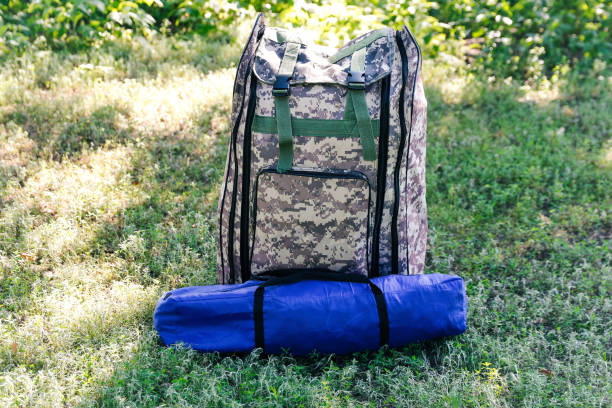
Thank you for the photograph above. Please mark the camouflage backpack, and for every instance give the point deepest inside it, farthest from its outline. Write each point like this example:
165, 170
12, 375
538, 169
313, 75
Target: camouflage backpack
326, 163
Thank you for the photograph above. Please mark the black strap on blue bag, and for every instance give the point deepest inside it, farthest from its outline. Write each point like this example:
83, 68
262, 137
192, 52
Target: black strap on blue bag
323, 275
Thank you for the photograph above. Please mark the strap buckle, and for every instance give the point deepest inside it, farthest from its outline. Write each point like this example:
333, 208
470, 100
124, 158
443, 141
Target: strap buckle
281, 85
356, 80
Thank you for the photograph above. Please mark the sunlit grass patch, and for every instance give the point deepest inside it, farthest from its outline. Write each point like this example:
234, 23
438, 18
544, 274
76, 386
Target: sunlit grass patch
61, 127
169, 104
159, 56
59, 352
64, 202
606, 156
15, 148
97, 184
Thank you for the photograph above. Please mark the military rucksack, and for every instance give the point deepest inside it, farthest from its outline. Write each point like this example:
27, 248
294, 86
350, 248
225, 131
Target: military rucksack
326, 162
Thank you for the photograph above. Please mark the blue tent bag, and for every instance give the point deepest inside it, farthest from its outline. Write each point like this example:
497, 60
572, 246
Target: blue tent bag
313, 311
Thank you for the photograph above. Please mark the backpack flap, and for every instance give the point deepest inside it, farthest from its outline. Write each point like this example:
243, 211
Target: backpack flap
286, 60
324, 65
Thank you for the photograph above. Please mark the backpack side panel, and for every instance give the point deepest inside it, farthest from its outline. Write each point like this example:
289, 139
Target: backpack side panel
417, 204
414, 223
227, 197
394, 228
407, 238
385, 235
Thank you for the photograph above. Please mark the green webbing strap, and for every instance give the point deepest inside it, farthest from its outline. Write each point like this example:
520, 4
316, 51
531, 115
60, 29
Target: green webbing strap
285, 134
287, 36
313, 127
281, 104
358, 61
364, 42
357, 96
287, 65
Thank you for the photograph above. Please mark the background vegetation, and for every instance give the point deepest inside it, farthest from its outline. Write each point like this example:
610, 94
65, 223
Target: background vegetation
521, 38
113, 135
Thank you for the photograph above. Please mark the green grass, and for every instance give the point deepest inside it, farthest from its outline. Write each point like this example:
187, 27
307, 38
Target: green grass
110, 167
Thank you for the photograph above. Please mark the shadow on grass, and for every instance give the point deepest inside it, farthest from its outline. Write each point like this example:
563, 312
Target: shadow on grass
177, 375
507, 176
62, 130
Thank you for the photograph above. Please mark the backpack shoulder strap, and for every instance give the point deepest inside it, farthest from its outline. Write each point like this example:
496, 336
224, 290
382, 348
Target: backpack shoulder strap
356, 85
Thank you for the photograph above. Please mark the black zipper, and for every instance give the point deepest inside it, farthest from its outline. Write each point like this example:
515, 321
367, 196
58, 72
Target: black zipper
398, 164
329, 174
383, 147
230, 243
245, 272
414, 83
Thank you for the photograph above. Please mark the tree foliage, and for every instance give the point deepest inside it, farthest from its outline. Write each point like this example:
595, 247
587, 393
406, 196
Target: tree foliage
520, 38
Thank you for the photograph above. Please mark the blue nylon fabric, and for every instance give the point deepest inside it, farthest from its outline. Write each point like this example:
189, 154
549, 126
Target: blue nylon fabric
208, 318
424, 307
329, 317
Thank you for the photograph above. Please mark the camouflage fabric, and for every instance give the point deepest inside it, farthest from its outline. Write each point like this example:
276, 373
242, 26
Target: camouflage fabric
228, 190
313, 66
414, 223
325, 212
328, 218
316, 101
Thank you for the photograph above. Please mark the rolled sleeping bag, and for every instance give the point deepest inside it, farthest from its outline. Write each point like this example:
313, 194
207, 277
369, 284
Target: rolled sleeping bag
311, 311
